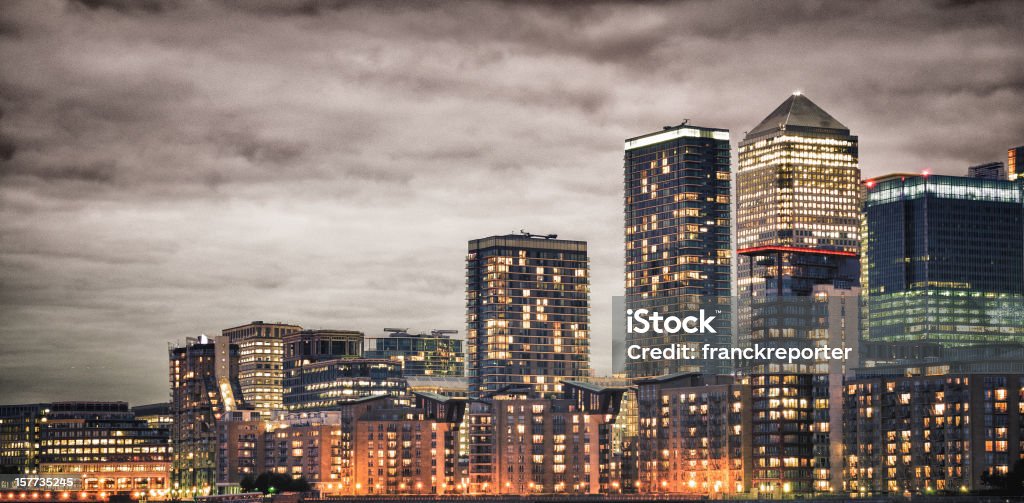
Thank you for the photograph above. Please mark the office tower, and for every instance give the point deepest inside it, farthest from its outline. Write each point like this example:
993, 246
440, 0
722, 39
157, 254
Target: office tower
798, 233
19, 437
112, 450
927, 434
988, 171
260, 372
1014, 160
945, 259
695, 435
527, 312
522, 444
204, 387
421, 354
678, 244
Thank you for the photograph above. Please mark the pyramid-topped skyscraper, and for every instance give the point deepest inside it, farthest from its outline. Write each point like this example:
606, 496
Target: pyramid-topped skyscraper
798, 182
798, 239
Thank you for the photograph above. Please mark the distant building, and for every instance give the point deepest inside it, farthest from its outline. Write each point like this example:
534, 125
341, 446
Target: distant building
19, 437
988, 171
204, 387
930, 434
695, 435
945, 259
260, 362
329, 384
527, 312
112, 450
1015, 162
307, 347
455, 387
324, 369
157, 415
678, 243
421, 354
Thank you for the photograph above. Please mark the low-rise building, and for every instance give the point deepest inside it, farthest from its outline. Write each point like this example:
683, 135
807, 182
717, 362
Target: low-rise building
695, 435
930, 433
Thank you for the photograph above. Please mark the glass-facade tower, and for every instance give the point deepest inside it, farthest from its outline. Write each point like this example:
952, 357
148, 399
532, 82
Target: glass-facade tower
945, 259
677, 185
798, 237
527, 313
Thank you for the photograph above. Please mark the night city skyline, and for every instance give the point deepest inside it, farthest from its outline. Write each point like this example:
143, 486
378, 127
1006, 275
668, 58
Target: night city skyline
175, 168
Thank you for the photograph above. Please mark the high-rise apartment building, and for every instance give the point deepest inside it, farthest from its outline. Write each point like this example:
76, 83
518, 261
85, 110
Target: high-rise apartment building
260, 371
421, 354
527, 312
945, 259
678, 245
204, 387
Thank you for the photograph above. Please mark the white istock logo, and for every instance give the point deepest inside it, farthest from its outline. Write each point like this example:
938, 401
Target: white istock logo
671, 325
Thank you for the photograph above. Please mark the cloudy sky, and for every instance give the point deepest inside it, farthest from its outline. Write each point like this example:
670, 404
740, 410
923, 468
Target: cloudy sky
174, 168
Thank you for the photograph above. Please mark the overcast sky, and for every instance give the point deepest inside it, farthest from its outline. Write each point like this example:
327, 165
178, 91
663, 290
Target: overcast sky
174, 168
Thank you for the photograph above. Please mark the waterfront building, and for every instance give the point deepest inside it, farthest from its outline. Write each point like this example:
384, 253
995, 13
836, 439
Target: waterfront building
521, 444
695, 435
328, 384
204, 387
798, 233
677, 188
925, 434
20, 427
945, 257
527, 312
114, 452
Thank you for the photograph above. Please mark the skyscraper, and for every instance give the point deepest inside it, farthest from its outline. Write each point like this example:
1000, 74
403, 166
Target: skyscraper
260, 371
527, 312
945, 259
678, 246
798, 233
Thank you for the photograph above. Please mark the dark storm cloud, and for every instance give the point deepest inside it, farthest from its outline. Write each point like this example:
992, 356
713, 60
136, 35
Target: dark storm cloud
175, 167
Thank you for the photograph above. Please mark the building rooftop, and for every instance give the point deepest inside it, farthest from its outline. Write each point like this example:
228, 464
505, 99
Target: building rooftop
595, 388
798, 110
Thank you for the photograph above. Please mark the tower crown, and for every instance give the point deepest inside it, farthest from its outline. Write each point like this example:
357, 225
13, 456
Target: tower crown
799, 111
